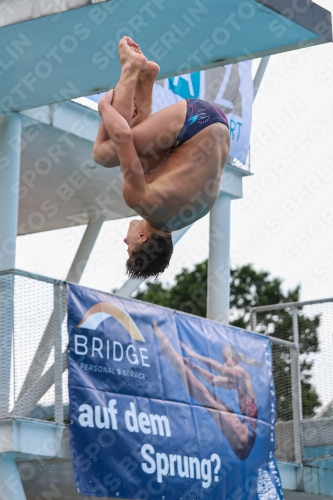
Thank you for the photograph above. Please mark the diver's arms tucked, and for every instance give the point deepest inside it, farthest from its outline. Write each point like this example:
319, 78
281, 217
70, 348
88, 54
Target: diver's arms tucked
134, 186
104, 150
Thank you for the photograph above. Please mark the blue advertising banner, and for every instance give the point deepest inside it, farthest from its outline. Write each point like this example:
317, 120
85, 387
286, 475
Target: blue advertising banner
165, 405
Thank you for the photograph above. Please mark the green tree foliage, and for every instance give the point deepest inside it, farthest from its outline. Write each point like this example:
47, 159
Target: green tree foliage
189, 294
250, 288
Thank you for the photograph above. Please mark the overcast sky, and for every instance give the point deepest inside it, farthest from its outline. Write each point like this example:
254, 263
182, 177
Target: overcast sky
284, 223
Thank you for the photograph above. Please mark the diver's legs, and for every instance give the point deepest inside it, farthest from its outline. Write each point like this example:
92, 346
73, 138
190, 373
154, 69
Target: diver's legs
122, 99
132, 62
143, 94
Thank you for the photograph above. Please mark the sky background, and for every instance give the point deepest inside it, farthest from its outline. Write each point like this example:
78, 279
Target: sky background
283, 224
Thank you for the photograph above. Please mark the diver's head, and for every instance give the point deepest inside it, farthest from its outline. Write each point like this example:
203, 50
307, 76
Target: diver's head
149, 250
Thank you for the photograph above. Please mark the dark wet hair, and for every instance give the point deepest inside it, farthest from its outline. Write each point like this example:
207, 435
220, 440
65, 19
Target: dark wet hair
152, 258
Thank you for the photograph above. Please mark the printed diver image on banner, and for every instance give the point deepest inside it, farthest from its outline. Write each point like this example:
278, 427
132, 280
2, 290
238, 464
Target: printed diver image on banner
165, 405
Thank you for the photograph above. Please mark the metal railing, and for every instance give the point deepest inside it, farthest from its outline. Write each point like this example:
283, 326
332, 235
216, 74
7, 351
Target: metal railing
309, 324
32, 339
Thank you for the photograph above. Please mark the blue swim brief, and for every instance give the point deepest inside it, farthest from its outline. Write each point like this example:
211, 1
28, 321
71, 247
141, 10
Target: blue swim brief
199, 115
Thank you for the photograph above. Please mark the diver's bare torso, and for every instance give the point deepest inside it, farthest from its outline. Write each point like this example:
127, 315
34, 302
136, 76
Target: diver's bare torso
184, 186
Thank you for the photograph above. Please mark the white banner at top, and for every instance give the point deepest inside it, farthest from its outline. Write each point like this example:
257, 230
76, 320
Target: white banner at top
228, 87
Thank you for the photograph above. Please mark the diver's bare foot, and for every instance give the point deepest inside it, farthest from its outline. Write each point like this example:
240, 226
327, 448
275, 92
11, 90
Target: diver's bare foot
130, 54
150, 71
133, 45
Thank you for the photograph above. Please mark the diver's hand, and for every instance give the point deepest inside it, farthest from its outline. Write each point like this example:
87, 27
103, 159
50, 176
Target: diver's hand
106, 98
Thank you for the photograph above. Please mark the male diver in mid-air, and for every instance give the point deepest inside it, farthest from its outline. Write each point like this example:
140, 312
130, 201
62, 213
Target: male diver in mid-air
171, 161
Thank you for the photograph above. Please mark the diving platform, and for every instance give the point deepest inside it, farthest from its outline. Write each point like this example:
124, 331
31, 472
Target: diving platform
73, 52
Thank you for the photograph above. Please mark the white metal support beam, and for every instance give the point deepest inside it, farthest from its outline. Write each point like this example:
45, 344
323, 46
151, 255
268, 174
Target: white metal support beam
11, 487
83, 252
259, 75
218, 285
6, 339
296, 391
10, 151
74, 275
58, 368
